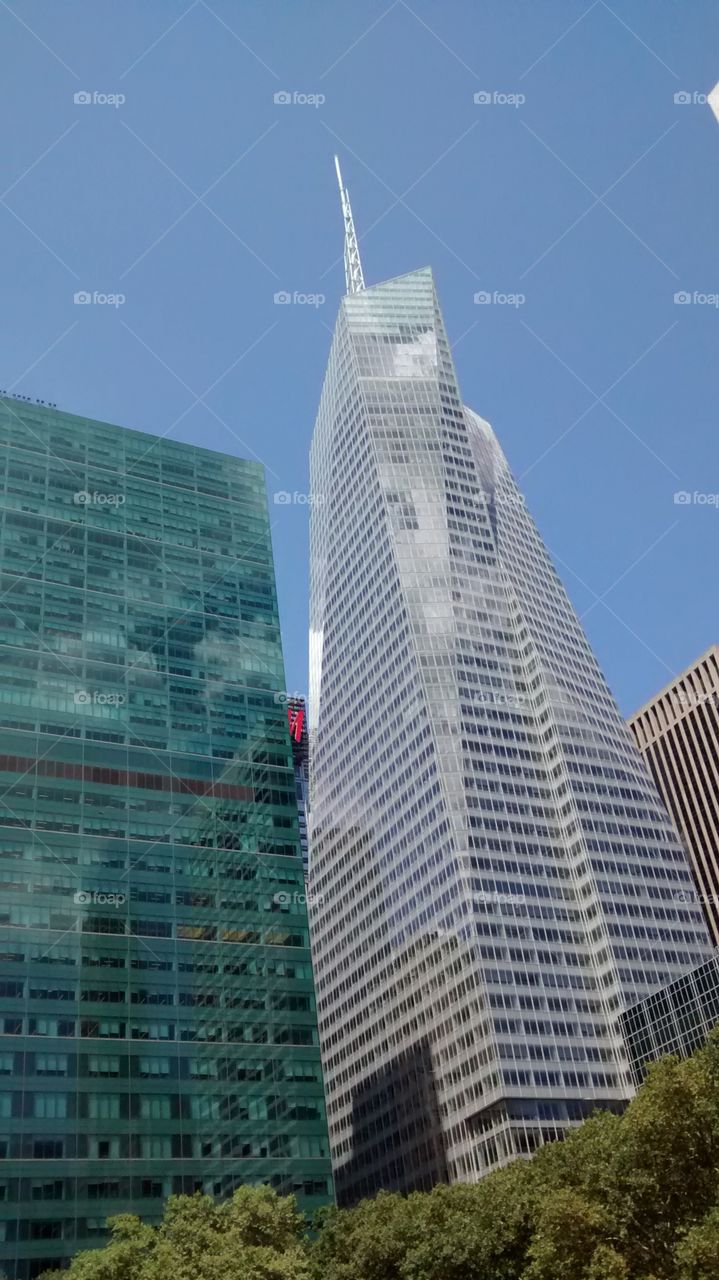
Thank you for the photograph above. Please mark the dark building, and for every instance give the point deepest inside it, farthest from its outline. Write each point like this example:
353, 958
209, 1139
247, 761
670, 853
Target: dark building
158, 1016
676, 1019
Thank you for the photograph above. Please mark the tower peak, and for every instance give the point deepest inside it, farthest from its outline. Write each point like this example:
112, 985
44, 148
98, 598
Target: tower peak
354, 278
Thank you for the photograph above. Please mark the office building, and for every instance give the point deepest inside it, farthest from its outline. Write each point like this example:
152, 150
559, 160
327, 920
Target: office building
493, 875
677, 732
158, 1024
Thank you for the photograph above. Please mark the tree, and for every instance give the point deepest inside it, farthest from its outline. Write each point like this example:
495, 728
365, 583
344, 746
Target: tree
257, 1235
698, 1253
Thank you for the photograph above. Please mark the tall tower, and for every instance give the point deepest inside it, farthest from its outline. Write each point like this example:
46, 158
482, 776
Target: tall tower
158, 1024
493, 874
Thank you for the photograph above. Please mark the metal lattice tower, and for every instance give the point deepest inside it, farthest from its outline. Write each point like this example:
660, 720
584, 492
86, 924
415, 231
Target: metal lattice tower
353, 267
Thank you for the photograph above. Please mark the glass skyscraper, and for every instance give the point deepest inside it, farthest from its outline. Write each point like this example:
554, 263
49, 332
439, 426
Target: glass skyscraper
157, 1014
493, 875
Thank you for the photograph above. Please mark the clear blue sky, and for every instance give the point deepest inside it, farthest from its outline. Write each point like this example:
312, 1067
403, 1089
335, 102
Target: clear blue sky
602, 390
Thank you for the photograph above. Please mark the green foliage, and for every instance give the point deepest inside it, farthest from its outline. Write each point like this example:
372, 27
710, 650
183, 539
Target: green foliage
698, 1253
257, 1235
631, 1197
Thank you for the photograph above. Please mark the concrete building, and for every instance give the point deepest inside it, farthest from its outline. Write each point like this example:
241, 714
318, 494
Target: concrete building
677, 732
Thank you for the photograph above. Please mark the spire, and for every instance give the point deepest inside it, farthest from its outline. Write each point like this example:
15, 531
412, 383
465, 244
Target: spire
353, 267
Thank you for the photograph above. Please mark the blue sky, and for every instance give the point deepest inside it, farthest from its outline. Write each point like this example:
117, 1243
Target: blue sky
199, 198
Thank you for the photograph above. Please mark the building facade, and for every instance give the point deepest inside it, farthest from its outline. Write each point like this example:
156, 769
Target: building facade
299, 737
493, 875
158, 1023
677, 732
677, 1019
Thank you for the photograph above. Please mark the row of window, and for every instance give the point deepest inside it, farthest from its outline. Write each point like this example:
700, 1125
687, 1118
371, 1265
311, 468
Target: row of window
113, 1029
117, 1106
114, 1066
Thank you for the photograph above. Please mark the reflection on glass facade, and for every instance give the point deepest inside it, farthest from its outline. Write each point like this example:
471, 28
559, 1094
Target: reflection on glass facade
158, 1028
677, 1019
493, 876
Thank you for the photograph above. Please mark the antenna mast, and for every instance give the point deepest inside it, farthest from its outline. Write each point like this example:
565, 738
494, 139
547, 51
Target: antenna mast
353, 266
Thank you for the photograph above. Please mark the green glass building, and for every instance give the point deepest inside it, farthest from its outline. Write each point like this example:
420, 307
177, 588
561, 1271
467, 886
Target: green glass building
157, 1013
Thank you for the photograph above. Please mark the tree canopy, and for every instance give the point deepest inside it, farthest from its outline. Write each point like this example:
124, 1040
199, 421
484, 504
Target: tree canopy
630, 1197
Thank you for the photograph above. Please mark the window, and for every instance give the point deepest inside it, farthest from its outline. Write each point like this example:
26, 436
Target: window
104, 1148
50, 1106
105, 1029
46, 1230
151, 1189
201, 1069
156, 1148
47, 1190
154, 1067
43, 1150
43, 1027
103, 1066
51, 1064
155, 1108
103, 1190
103, 1106
204, 1108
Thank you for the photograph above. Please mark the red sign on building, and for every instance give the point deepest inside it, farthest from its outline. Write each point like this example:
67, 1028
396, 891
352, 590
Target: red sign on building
296, 719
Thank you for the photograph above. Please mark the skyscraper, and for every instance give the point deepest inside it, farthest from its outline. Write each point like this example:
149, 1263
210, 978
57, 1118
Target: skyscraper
158, 1023
493, 875
677, 732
